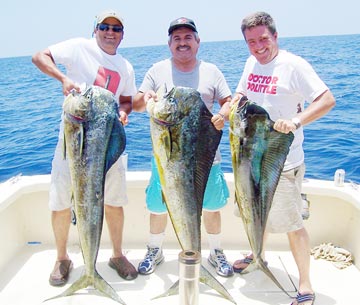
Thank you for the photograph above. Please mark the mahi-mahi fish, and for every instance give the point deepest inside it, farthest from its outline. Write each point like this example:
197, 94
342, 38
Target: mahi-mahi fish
184, 144
94, 140
258, 157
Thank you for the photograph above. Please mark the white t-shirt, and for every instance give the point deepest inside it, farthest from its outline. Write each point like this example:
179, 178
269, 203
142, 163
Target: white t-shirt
282, 87
87, 64
206, 78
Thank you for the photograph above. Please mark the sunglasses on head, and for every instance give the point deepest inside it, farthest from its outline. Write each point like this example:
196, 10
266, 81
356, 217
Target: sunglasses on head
106, 27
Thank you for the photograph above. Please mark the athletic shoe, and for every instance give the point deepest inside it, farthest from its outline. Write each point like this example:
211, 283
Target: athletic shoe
219, 261
153, 257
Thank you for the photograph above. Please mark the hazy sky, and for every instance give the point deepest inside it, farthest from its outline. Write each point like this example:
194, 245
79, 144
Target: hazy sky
28, 26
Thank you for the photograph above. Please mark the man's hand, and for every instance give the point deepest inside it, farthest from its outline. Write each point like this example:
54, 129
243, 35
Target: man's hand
150, 95
284, 126
68, 85
218, 121
123, 118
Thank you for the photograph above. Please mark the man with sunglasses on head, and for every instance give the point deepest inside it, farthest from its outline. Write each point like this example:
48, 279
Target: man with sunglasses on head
90, 61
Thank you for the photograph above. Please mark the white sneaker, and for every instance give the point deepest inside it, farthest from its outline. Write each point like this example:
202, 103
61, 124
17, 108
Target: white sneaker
219, 261
153, 257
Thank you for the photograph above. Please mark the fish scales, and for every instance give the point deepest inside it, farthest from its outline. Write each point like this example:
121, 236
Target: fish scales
184, 143
94, 140
258, 157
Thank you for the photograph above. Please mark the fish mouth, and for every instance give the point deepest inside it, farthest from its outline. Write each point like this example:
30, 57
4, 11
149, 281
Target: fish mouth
164, 123
74, 119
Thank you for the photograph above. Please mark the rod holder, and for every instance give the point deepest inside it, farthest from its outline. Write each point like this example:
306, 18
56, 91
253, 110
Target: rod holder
189, 273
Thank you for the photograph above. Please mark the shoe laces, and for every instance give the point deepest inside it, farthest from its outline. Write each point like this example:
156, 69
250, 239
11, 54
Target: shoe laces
151, 253
221, 259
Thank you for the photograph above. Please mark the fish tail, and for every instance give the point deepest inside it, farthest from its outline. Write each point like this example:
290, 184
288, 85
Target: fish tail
208, 279
101, 285
174, 289
85, 281
264, 267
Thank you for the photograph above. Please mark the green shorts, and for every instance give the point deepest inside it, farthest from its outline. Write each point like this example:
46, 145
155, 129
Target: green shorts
215, 198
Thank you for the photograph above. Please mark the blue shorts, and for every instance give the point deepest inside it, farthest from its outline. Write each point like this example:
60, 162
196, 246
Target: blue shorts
216, 192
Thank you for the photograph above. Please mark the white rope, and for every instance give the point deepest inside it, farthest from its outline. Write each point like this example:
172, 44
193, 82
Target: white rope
340, 257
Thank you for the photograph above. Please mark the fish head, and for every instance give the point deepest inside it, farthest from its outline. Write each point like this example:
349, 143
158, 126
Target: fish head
82, 107
238, 117
247, 116
173, 106
77, 105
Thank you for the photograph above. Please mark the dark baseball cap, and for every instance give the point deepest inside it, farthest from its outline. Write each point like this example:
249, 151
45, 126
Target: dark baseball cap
182, 22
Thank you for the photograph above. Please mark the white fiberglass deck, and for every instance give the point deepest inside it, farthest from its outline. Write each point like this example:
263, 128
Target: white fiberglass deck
27, 253
25, 281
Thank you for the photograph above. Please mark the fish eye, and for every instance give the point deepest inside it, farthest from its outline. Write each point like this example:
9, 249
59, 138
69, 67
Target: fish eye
88, 95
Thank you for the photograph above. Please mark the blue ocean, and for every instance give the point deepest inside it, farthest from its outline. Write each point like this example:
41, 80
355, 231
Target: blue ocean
30, 107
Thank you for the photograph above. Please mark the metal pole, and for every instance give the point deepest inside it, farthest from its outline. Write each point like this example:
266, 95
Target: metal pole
189, 272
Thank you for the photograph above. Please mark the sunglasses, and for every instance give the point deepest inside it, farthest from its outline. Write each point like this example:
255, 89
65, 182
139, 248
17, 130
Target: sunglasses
106, 27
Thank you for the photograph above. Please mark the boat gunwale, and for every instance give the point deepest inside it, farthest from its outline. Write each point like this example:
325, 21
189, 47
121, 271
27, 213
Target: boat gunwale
18, 186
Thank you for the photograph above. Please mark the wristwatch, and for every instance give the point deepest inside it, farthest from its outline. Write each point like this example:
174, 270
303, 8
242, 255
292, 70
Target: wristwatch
296, 122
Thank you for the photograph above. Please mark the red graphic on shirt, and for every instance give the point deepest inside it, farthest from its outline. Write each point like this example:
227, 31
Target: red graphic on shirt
262, 83
107, 79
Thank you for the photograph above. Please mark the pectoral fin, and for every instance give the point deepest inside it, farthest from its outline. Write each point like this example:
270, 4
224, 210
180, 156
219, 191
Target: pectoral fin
116, 145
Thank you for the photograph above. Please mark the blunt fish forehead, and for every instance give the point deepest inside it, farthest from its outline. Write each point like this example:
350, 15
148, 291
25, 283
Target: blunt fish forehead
165, 109
102, 102
78, 104
183, 99
174, 105
240, 119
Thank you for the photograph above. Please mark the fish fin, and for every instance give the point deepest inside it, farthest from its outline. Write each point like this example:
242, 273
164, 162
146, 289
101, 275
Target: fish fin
168, 145
73, 214
174, 289
101, 285
116, 144
207, 144
236, 199
81, 139
64, 148
262, 265
208, 279
85, 281
162, 197
273, 163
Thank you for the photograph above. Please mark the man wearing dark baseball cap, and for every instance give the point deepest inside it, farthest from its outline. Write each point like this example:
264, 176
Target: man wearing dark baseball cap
182, 22
184, 69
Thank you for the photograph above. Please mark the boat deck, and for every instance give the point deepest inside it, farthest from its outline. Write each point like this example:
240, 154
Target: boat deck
25, 280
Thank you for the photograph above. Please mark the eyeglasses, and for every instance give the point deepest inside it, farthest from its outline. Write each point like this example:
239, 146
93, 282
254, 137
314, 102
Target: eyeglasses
106, 27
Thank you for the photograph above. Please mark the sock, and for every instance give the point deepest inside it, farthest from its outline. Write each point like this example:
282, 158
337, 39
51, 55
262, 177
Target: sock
214, 242
156, 240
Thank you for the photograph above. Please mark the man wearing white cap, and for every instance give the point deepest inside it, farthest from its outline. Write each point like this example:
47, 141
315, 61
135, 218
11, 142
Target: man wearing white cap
90, 61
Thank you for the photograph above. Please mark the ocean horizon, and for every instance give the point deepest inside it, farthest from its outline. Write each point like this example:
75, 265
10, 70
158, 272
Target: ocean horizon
30, 107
